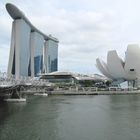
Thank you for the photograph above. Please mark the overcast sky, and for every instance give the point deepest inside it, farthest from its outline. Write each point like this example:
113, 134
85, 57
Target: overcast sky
86, 29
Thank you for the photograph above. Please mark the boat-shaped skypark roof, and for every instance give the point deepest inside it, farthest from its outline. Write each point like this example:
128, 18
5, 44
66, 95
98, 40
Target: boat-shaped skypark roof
15, 13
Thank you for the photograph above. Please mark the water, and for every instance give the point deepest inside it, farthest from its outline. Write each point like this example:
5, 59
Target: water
72, 118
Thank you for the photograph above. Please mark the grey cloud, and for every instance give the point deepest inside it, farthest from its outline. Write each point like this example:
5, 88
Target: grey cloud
85, 31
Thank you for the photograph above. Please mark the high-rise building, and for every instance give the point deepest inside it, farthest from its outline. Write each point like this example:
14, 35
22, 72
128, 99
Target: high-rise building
19, 50
31, 51
50, 52
36, 53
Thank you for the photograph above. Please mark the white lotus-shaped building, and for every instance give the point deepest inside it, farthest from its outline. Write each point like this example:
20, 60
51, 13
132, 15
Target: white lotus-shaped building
118, 69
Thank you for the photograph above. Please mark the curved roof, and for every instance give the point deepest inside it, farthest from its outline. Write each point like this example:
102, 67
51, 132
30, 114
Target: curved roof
132, 61
115, 65
117, 69
15, 13
101, 65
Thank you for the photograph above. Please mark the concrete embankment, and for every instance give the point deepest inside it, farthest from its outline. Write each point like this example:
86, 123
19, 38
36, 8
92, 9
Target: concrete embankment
94, 93
67, 92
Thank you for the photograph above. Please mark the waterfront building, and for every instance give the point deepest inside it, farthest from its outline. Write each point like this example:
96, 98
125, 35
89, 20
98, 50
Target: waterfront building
122, 70
31, 51
59, 77
71, 78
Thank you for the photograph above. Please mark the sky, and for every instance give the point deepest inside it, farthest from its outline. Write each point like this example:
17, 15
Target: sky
86, 29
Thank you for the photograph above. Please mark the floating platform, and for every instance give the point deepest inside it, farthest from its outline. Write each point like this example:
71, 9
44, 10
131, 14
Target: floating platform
41, 94
15, 100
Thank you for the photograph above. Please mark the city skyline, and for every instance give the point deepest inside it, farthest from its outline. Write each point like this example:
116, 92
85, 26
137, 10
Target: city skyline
86, 29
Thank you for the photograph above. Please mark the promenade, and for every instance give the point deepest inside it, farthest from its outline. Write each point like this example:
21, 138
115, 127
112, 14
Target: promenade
74, 92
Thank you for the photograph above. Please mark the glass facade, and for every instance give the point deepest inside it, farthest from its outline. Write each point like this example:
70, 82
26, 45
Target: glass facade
22, 41
38, 64
29, 68
13, 66
52, 56
58, 78
36, 51
27, 54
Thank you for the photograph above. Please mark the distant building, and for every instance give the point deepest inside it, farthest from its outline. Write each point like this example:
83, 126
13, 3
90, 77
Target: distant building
59, 77
71, 78
122, 70
31, 51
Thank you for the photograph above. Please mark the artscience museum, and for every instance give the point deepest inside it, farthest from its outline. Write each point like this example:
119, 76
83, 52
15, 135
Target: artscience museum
121, 70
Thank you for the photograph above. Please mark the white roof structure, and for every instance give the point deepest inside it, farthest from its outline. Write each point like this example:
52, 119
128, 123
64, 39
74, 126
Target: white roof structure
117, 69
115, 65
76, 75
102, 66
132, 61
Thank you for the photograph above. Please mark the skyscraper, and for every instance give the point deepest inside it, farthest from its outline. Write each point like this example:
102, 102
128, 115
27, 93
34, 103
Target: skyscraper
31, 51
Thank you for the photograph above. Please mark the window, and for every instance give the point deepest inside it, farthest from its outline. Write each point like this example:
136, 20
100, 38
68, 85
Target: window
132, 69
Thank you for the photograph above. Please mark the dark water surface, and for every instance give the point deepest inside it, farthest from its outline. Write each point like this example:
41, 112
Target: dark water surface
72, 118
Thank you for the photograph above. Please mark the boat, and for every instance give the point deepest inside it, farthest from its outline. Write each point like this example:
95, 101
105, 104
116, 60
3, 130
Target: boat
41, 94
15, 100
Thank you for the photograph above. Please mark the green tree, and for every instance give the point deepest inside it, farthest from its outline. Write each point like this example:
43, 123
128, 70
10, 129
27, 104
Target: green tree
108, 82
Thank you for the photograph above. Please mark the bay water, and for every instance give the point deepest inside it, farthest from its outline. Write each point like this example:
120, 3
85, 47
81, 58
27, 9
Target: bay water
115, 117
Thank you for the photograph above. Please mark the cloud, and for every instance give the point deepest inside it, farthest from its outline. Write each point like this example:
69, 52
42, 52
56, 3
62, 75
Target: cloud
4, 57
86, 29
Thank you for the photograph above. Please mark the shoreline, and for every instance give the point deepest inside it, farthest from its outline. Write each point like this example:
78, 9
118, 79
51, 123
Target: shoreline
66, 92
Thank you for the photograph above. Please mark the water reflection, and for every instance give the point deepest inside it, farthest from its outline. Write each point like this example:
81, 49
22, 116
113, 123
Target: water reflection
72, 117
125, 114
33, 120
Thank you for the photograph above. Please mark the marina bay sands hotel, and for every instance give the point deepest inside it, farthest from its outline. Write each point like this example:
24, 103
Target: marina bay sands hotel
31, 51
